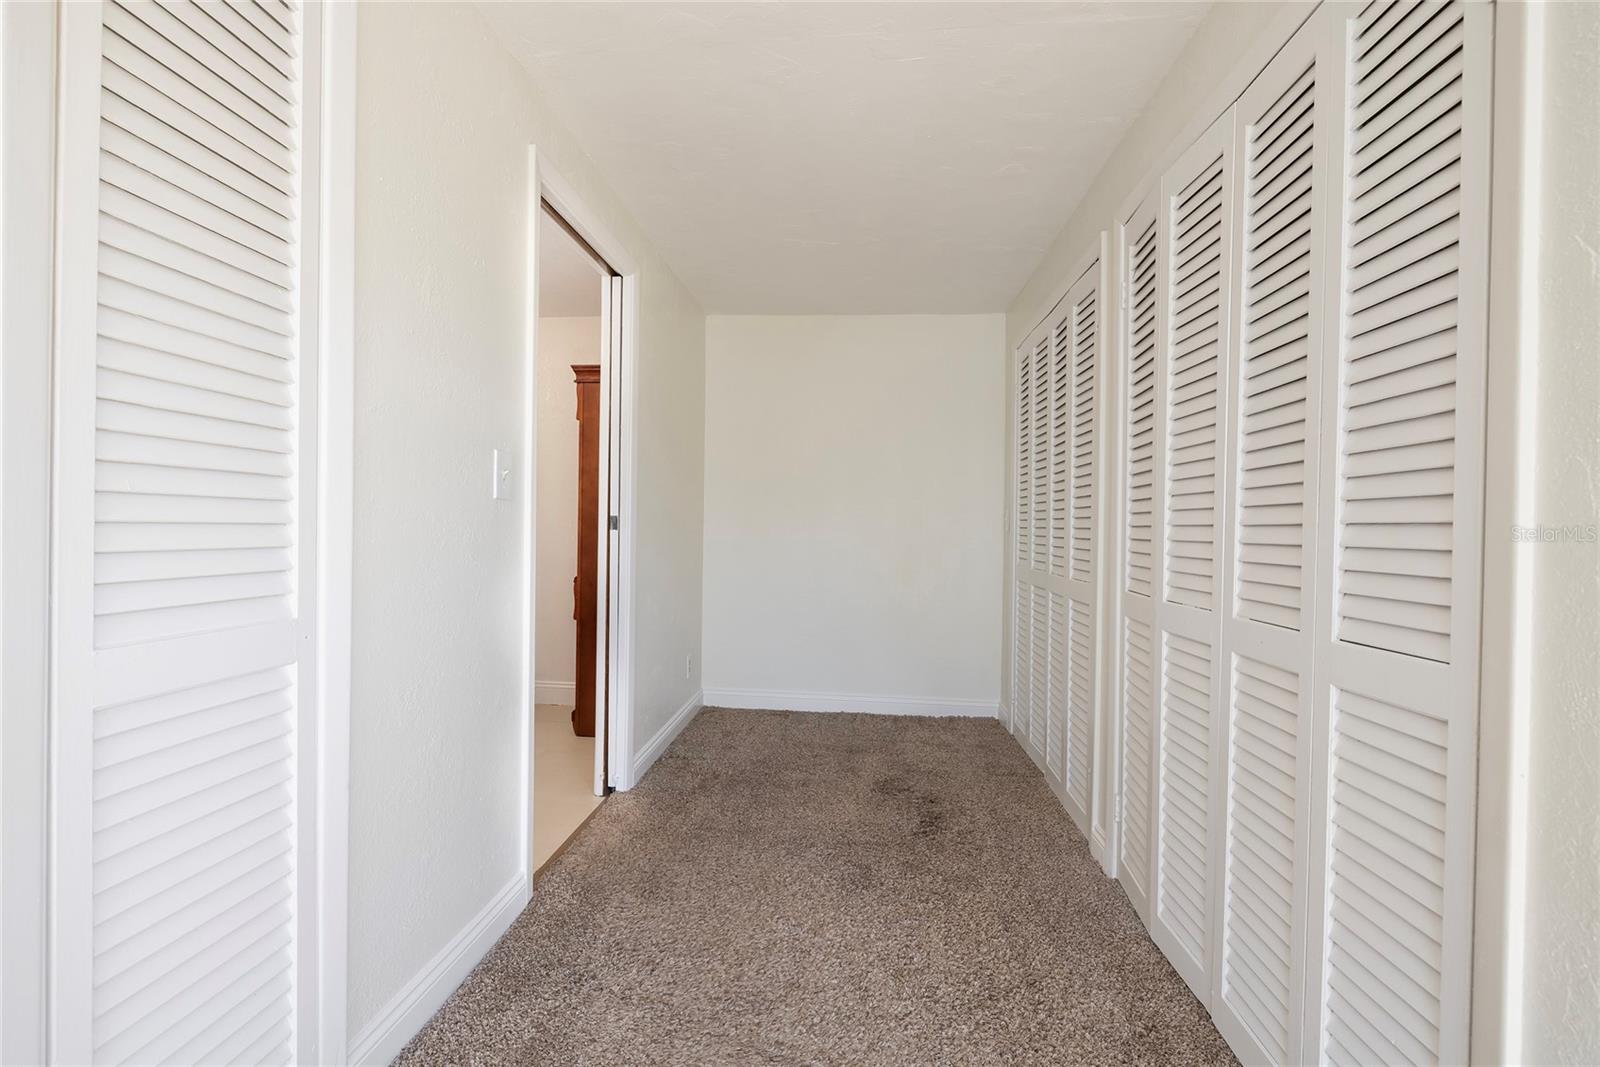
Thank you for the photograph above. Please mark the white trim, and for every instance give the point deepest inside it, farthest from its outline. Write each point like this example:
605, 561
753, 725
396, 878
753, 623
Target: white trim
868, 704
530, 511
327, 977
382, 1039
27, 97
626, 603
1511, 415
666, 735
71, 883
608, 594
1103, 774
555, 692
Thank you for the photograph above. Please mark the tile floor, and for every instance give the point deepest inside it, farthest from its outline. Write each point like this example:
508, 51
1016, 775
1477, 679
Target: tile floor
563, 780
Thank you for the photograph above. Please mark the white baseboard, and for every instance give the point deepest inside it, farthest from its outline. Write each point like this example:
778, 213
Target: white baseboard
791, 700
382, 1039
658, 744
555, 692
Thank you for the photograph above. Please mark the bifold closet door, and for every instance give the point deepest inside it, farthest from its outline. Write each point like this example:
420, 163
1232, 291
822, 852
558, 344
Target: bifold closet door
1193, 327
1397, 637
1040, 664
1075, 437
185, 533
1317, 389
1021, 534
1029, 638
1274, 376
1056, 508
1141, 273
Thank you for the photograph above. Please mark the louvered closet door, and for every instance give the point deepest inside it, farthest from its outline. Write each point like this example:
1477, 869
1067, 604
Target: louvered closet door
1052, 668
1030, 668
1075, 445
1141, 271
185, 532
1038, 645
1039, 557
1397, 635
1022, 542
1193, 322
1269, 570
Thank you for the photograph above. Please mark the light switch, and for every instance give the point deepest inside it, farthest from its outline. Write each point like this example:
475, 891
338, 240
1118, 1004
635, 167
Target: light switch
503, 485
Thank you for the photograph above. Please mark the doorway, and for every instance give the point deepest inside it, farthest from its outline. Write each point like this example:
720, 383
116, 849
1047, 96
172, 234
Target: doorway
578, 712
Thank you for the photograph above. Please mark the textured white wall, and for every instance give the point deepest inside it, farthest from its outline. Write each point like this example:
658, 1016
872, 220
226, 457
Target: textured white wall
27, 184
444, 122
852, 505
562, 342
1561, 987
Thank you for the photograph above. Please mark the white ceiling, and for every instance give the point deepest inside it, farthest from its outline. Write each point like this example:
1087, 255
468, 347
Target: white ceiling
849, 158
569, 282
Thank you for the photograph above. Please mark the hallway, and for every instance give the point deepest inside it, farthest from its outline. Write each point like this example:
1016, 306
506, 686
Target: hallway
786, 887
799, 533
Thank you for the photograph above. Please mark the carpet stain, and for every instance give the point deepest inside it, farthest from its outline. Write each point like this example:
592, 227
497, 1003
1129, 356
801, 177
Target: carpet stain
930, 817
792, 888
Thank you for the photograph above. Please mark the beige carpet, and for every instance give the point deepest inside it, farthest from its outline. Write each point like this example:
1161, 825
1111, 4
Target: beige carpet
789, 888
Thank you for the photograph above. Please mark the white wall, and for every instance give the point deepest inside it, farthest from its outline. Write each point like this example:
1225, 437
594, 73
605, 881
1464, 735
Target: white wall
853, 508
562, 343
27, 122
444, 122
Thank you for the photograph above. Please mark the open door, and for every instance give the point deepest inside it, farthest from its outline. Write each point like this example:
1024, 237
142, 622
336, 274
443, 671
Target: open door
608, 589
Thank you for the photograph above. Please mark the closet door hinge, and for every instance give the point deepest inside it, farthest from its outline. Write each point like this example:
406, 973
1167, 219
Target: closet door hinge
614, 524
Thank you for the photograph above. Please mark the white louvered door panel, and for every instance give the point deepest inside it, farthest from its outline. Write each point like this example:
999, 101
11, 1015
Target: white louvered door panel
1038, 552
185, 531
1021, 647
1031, 617
1052, 620
1056, 751
1038, 667
1401, 513
1140, 261
1078, 368
1274, 379
1193, 318
1022, 532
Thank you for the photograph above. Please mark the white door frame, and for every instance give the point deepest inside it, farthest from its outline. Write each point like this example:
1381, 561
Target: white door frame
616, 735
27, 117
33, 57
327, 981
1507, 657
